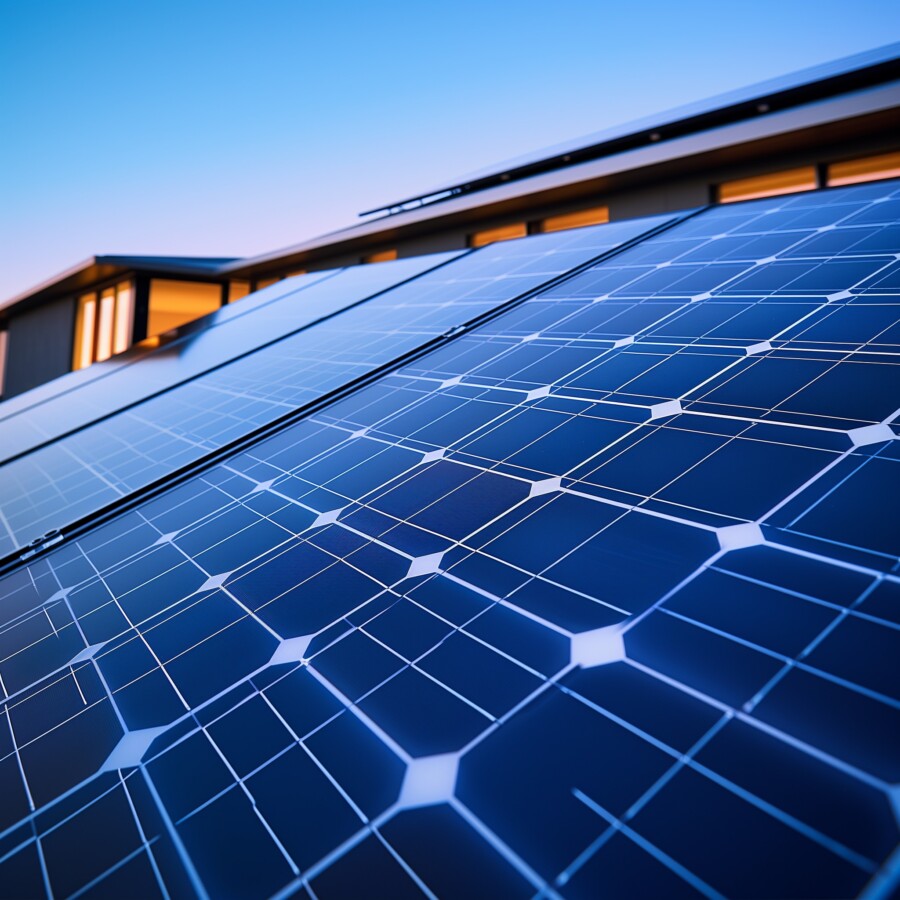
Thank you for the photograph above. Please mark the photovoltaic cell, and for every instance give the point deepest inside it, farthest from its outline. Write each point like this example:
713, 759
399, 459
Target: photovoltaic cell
596, 599
80, 398
91, 467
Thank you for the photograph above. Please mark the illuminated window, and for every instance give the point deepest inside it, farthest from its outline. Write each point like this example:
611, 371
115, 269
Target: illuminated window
789, 182
85, 327
266, 282
295, 273
105, 322
492, 235
238, 289
124, 317
103, 325
599, 215
871, 168
381, 256
173, 303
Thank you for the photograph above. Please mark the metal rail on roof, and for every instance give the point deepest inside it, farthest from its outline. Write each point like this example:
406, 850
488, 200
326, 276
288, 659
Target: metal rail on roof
851, 73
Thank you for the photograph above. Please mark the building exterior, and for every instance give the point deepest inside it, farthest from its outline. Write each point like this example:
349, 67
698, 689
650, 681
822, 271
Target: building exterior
558, 567
831, 125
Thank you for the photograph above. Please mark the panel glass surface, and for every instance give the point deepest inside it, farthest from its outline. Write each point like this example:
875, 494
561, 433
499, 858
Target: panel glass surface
599, 599
75, 400
89, 468
79, 379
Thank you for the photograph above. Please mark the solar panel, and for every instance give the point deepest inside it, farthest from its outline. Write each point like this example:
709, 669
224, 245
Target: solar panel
80, 398
252, 369
596, 599
81, 378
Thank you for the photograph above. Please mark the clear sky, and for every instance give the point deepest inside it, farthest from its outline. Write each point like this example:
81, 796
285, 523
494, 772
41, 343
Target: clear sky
236, 127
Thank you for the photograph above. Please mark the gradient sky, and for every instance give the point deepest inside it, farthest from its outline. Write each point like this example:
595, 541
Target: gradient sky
233, 128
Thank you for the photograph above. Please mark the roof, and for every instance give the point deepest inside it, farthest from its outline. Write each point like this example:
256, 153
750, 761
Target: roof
97, 268
603, 172
837, 76
828, 95
567, 565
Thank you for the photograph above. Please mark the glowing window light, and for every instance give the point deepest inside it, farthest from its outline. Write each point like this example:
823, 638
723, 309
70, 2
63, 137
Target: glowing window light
871, 168
503, 233
770, 185
381, 256
598, 215
124, 316
85, 324
105, 324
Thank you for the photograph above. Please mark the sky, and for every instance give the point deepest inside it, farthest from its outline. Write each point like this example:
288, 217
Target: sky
230, 128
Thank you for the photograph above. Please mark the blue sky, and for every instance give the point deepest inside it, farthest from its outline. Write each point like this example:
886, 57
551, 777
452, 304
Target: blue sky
232, 128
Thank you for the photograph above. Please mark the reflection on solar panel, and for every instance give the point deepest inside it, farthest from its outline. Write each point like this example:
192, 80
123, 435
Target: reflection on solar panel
87, 395
597, 599
202, 402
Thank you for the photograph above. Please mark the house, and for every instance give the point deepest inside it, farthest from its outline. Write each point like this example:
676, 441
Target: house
830, 125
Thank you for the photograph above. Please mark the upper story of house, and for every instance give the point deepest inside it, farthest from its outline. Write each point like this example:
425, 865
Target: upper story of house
831, 125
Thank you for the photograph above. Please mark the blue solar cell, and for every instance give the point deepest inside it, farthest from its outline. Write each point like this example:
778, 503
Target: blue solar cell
706, 826
599, 597
486, 871
90, 394
215, 385
611, 867
851, 727
387, 877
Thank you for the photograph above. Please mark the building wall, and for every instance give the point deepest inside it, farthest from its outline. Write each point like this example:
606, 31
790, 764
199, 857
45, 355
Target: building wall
40, 341
679, 185
39, 346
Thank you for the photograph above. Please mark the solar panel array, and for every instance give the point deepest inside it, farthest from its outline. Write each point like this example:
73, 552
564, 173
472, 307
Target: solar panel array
291, 352
597, 598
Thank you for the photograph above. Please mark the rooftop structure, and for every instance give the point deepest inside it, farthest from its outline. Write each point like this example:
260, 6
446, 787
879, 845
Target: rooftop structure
560, 567
826, 126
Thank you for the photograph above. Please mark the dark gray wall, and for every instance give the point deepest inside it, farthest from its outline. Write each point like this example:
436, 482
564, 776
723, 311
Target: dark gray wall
39, 346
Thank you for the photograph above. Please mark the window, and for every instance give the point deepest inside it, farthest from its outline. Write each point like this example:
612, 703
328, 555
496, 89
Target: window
381, 256
238, 289
871, 168
598, 215
124, 317
85, 328
266, 282
173, 303
503, 233
295, 273
103, 325
107, 315
788, 182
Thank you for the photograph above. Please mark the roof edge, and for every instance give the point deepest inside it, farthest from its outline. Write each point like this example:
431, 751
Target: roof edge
118, 264
793, 89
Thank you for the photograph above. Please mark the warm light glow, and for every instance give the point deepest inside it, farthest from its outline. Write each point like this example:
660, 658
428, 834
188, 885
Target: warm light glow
381, 256
789, 182
503, 233
295, 273
871, 168
100, 334
238, 289
172, 303
266, 282
84, 331
124, 316
598, 215
105, 324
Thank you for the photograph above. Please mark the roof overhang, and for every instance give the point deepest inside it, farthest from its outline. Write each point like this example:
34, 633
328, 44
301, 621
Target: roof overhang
105, 268
866, 112
830, 79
